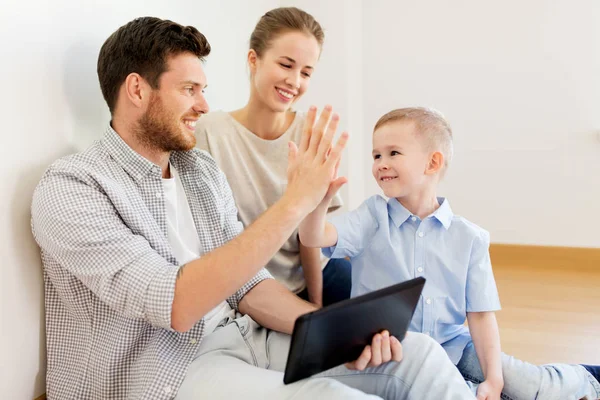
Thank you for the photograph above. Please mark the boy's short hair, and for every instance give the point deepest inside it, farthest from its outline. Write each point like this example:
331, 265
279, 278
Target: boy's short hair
144, 46
429, 124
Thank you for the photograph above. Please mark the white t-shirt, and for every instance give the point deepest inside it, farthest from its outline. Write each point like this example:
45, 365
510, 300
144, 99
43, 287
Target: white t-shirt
256, 170
184, 239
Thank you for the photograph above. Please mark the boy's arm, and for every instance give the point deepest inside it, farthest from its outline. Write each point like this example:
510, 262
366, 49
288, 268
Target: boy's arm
484, 331
315, 231
310, 259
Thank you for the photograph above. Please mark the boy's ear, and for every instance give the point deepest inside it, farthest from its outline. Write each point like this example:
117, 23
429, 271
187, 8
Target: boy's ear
436, 163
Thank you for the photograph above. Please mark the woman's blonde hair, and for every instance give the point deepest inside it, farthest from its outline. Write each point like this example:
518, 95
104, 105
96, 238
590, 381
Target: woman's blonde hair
282, 20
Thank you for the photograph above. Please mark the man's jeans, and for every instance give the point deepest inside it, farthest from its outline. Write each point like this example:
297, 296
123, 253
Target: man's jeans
242, 360
524, 381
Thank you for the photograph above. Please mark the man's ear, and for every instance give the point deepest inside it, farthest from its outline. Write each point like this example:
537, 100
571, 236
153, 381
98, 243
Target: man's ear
136, 90
436, 163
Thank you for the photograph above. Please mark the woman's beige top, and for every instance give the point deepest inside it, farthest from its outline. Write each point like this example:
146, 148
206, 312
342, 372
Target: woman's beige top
257, 173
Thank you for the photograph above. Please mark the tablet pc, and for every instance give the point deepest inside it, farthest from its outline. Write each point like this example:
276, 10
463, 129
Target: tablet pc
337, 334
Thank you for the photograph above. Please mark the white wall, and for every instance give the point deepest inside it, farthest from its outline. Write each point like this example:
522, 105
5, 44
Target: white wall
518, 81
51, 105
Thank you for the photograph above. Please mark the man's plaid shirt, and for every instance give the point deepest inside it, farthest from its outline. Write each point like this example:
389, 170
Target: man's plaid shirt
99, 218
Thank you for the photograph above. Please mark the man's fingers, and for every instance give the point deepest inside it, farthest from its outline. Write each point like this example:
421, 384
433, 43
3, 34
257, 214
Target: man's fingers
325, 144
386, 350
319, 129
336, 153
396, 348
309, 123
362, 361
376, 350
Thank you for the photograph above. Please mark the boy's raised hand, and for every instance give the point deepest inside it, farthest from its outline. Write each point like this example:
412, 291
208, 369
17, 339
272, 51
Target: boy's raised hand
312, 167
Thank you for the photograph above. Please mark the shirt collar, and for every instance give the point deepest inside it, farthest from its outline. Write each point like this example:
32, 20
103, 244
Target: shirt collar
135, 164
444, 213
397, 211
400, 214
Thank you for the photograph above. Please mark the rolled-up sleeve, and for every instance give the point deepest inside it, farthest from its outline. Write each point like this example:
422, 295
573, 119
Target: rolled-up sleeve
354, 229
482, 293
76, 224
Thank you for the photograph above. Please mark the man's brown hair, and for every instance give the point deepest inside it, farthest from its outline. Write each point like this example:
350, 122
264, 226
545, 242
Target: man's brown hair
144, 46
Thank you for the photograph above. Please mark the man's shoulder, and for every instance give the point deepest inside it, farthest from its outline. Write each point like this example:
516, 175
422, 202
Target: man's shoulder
79, 164
204, 160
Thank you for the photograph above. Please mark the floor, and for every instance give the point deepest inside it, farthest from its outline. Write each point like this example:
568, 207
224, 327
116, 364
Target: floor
549, 315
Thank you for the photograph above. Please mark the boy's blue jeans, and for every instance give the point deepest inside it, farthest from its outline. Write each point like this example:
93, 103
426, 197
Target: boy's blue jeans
337, 281
524, 381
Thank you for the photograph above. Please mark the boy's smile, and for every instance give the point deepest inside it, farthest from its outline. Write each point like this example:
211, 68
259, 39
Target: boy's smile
399, 159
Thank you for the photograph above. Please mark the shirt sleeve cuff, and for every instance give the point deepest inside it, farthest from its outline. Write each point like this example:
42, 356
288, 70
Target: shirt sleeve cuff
159, 297
484, 306
341, 249
234, 300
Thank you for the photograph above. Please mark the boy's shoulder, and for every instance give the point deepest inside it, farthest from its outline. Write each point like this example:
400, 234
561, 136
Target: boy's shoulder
468, 230
375, 204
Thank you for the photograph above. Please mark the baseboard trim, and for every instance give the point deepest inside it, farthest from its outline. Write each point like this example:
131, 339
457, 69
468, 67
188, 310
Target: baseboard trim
545, 256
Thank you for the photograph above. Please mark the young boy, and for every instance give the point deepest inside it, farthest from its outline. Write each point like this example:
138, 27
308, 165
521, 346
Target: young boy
415, 233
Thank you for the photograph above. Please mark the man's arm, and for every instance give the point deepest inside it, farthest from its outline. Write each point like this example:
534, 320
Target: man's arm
273, 306
205, 282
310, 259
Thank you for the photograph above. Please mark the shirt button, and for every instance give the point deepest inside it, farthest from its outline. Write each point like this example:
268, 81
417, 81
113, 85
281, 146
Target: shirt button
420, 269
193, 341
413, 219
158, 194
139, 177
428, 300
421, 234
428, 334
167, 389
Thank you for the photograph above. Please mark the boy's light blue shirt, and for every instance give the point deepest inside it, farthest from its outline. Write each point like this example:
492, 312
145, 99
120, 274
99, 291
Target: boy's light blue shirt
388, 245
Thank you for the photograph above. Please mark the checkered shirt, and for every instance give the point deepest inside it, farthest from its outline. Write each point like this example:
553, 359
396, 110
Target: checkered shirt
109, 272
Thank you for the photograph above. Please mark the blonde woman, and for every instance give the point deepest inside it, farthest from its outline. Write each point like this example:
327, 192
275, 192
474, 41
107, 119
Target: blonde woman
251, 145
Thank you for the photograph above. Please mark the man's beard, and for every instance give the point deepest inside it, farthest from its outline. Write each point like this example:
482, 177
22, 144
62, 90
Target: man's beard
161, 129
